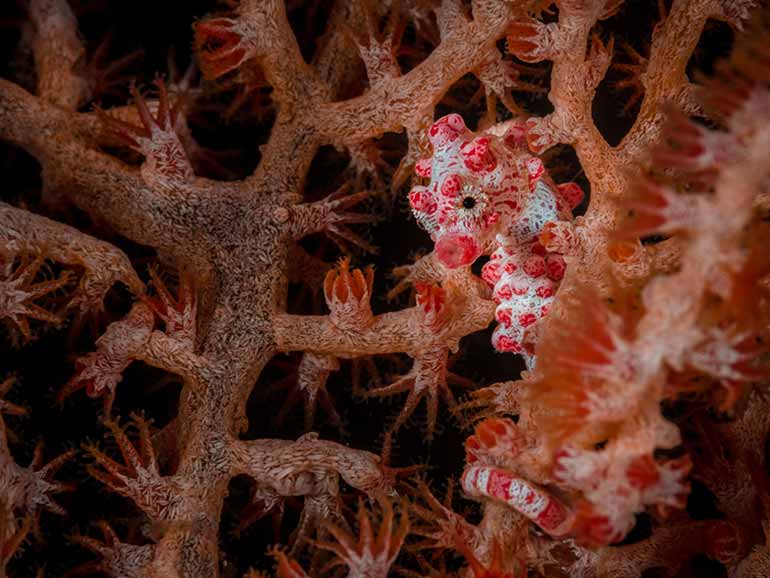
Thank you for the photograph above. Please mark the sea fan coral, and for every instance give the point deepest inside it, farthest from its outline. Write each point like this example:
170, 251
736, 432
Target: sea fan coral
584, 305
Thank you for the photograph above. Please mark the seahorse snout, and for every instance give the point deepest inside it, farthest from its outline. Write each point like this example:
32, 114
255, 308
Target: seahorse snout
457, 250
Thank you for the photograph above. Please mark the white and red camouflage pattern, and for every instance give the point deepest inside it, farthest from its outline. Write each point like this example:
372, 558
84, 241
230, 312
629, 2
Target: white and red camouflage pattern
488, 195
528, 499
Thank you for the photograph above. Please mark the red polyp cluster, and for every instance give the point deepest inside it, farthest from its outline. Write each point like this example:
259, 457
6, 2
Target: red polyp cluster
220, 46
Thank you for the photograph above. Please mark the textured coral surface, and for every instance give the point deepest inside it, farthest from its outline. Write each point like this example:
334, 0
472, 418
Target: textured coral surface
428, 288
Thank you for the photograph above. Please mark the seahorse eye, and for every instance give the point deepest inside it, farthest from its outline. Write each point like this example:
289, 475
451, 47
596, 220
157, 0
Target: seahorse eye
469, 202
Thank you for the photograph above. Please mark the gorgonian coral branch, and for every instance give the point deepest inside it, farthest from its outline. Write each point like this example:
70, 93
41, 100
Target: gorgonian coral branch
623, 375
479, 194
